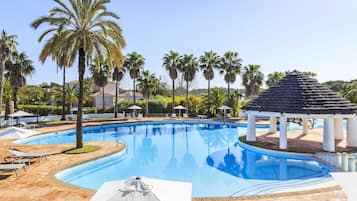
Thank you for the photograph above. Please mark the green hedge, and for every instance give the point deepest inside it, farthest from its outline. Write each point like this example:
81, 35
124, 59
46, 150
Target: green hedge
155, 106
45, 110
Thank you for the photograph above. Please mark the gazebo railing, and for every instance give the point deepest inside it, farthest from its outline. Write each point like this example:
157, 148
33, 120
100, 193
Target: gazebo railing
342, 161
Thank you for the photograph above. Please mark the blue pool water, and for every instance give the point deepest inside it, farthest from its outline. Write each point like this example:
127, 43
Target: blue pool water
207, 154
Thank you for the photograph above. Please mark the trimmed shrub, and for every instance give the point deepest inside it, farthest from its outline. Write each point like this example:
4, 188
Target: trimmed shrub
45, 110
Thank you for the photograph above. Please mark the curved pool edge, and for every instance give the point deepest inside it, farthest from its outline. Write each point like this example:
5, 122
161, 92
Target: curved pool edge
260, 149
144, 122
66, 172
53, 174
293, 155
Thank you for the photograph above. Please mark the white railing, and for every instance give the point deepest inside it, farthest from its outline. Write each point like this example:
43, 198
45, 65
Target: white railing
342, 161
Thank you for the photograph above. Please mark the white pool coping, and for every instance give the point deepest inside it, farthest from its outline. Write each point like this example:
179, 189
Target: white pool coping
347, 181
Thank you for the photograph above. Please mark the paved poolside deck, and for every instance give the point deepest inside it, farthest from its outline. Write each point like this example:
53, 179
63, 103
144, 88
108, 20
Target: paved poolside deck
298, 142
39, 183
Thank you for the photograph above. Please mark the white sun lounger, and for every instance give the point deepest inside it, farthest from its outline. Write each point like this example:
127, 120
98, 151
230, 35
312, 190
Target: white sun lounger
19, 154
12, 167
173, 115
185, 115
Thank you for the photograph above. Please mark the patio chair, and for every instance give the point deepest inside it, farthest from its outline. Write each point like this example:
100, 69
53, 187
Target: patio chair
27, 126
12, 167
173, 115
184, 115
140, 115
17, 154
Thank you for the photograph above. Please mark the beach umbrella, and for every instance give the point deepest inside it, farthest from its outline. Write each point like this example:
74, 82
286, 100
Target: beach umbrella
134, 108
19, 114
179, 107
224, 108
144, 189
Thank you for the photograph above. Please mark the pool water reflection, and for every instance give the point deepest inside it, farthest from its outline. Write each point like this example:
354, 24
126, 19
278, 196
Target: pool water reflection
206, 154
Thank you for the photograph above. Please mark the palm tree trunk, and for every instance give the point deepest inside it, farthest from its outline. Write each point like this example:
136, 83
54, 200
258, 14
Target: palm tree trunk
229, 89
14, 97
81, 70
146, 107
173, 96
64, 95
2, 69
103, 101
209, 99
134, 90
187, 97
7, 110
116, 100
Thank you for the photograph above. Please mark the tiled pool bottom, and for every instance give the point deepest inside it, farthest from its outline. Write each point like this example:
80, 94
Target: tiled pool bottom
207, 155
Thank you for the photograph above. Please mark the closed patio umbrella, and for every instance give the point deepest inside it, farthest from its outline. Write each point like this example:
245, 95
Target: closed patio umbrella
179, 107
144, 189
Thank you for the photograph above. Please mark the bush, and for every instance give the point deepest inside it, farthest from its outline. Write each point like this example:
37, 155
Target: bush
157, 105
43, 110
91, 110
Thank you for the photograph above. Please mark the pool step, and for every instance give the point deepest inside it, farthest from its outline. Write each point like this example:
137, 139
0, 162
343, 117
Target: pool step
342, 161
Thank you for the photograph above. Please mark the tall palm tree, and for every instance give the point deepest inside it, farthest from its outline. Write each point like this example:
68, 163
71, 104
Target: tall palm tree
7, 48
147, 83
8, 92
85, 28
218, 97
71, 96
100, 74
63, 61
188, 67
208, 62
16, 72
230, 67
274, 78
134, 63
171, 62
252, 79
117, 76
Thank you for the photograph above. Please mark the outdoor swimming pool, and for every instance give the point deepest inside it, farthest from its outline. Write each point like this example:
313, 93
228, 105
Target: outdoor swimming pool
206, 154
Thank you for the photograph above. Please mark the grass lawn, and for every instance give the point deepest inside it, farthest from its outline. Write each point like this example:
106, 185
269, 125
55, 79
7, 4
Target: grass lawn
84, 149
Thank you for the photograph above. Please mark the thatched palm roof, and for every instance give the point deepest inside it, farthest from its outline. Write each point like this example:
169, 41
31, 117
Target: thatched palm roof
300, 94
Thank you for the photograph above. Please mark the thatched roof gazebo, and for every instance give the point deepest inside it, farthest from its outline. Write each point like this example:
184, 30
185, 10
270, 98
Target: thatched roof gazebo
299, 96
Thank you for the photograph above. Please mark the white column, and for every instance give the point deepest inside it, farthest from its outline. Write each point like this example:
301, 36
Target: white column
283, 140
352, 132
329, 138
305, 126
338, 129
272, 125
251, 128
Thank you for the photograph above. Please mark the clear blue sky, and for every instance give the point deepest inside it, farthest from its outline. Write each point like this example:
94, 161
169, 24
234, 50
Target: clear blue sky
308, 35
